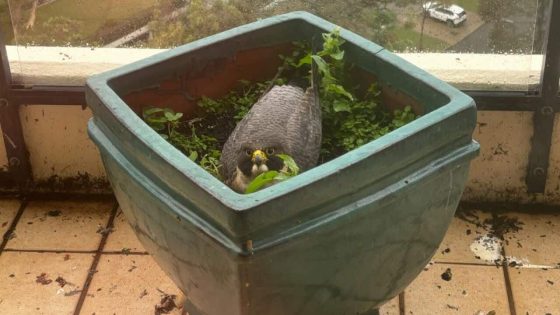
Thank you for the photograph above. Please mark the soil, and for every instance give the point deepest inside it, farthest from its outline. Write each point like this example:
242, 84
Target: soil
61, 281
447, 275
42, 279
500, 225
497, 226
166, 305
104, 231
54, 213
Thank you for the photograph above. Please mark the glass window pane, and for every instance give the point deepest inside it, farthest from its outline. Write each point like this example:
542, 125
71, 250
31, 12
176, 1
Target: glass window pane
473, 44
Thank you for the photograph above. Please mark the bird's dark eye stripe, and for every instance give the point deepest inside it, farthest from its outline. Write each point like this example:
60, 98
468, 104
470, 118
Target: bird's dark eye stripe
275, 163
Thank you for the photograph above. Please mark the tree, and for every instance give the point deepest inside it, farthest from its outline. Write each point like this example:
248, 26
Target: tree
201, 19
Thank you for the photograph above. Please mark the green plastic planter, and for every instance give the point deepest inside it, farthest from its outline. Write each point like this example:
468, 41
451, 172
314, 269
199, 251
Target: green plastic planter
342, 238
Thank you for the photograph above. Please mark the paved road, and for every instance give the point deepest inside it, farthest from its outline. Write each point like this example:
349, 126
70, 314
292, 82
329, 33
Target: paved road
480, 41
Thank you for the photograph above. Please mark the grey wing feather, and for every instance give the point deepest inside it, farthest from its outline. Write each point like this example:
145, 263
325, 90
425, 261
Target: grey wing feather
285, 115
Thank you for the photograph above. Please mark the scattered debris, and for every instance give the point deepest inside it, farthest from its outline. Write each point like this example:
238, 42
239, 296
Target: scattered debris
446, 251
132, 268
66, 257
54, 213
42, 279
167, 303
485, 313
12, 275
125, 250
468, 231
10, 235
447, 275
550, 282
428, 266
61, 281
143, 293
500, 225
104, 231
4, 223
488, 248
73, 292
452, 307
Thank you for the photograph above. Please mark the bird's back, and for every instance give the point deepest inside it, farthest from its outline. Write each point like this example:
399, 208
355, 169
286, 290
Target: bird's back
286, 114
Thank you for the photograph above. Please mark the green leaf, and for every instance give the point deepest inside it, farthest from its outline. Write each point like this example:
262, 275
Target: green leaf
340, 90
260, 181
304, 61
150, 111
339, 106
293, 169
322, 65
172, 116
338, 56
193, 156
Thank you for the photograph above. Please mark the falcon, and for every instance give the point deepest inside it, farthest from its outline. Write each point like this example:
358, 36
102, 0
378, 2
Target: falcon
285, 120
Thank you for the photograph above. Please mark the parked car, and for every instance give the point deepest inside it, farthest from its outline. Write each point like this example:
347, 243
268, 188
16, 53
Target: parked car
451, 14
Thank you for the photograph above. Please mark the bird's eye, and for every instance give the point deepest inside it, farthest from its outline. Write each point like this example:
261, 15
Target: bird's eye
248, 152
270, 151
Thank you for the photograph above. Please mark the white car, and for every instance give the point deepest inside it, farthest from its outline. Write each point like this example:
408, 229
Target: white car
451, 14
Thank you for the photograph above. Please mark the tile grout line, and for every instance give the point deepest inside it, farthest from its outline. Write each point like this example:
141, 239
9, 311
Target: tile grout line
56, 251
71, 251
463, 263
402, 310
12, 228
509, 289
93, 268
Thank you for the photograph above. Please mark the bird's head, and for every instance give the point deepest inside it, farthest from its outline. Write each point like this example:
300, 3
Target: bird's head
253, 161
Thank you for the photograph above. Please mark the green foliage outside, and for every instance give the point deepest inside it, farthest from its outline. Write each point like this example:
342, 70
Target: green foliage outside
71, 22
352, 114
409, 39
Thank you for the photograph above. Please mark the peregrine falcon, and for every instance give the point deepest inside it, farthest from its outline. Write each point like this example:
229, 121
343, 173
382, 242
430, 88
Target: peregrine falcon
285, 120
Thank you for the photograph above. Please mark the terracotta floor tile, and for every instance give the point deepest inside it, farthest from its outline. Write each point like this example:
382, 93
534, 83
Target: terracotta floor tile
127, 284
538, 242
61, 225
471, 289
123, 237
21, 273
8, 210
391, 307
455, 247
536, 291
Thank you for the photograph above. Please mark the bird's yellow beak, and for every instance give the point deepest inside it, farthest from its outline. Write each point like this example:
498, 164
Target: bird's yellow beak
258, 157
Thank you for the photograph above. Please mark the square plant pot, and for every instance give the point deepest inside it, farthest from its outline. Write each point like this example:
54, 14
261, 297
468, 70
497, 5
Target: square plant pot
341, 238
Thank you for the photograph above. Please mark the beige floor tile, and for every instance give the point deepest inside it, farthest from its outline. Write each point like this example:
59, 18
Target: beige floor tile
8, 210
29, 285
455, 247
127, 284
471, 289
538, 242
123, 238
61, 225
536, 291
391, 307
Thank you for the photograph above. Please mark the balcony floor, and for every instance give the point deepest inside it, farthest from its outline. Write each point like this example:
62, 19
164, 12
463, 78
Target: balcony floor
81, 257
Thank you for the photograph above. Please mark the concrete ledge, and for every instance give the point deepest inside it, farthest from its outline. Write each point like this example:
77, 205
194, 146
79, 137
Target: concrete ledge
72, 65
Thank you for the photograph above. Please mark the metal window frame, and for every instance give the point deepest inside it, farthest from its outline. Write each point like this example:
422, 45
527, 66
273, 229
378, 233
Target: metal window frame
544, 103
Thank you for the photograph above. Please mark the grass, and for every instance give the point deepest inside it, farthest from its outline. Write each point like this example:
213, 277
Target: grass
411, 36
468, 5
94, 15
